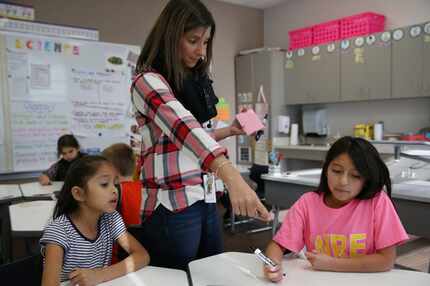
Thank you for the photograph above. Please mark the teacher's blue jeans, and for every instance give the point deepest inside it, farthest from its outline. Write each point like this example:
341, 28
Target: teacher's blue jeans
175, 239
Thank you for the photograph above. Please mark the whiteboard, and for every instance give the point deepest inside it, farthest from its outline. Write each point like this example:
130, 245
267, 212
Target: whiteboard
53, 86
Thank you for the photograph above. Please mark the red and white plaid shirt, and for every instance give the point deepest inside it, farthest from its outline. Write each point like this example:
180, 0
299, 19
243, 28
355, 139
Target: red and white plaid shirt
175, 149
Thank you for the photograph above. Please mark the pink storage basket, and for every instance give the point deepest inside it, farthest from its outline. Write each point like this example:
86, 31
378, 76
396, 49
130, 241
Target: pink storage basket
300, 38
361, 24
326, 32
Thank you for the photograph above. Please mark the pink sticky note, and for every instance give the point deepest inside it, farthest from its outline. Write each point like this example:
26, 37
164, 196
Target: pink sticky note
249, 121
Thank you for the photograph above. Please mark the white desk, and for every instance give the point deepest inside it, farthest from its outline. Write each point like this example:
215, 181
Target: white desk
149, 276
30, 218
10, 192
36, 189
234, 268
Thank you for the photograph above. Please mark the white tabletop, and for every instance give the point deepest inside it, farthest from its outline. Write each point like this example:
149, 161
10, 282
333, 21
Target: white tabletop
36, 189
149, 276
234, 268
30, 216
9, 191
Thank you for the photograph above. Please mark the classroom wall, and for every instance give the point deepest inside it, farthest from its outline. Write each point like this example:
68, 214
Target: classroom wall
398, 115
130, 21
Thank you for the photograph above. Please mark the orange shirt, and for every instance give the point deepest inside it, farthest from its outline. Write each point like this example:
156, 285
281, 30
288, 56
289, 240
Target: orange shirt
130, 202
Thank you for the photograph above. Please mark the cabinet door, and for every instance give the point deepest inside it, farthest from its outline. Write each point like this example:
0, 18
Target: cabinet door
366, 67
295, 77
407, 62
353, 57
262, 63
378, 66
244, 96
426, 73
322, 66
262, 74
244, 77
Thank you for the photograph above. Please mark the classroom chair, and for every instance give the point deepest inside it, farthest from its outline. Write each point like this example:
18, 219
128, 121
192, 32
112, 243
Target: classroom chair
27, 271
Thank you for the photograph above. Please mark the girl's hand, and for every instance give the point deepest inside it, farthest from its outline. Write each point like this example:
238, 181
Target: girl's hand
319, 261
84, 277
274, 274
236, 129
44, 180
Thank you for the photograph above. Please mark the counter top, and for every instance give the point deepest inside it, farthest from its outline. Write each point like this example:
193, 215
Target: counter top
413, 190
382, 148
311, 147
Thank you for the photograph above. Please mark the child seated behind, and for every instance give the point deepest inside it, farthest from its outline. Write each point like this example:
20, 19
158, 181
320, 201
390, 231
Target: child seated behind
68, 151
130, 192
77, 244
349, 224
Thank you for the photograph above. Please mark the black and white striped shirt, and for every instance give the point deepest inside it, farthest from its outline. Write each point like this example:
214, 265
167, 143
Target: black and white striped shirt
79, 251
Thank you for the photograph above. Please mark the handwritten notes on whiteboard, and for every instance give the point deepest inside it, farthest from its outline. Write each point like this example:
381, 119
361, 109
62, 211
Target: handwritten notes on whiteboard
40, 76
36, 127
17, 73
99, 102
55, 86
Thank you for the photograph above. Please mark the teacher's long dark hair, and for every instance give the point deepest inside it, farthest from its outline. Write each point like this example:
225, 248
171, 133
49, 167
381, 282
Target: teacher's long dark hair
161, 49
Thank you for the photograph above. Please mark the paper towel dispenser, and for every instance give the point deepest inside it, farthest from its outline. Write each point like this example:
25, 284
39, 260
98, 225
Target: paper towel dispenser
314, 121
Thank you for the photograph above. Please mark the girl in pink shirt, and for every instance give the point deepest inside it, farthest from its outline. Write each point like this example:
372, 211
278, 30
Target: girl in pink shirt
349, 223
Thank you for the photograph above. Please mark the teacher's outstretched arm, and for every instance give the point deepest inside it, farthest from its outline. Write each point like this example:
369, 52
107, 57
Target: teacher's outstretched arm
244, 200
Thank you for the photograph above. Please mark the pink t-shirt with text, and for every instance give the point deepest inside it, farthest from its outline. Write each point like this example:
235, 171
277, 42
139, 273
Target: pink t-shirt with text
360, 227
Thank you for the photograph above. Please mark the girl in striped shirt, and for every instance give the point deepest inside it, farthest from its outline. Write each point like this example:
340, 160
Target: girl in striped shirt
77, 244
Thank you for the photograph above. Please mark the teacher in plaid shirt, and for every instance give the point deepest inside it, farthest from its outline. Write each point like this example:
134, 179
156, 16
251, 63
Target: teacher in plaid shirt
173, 98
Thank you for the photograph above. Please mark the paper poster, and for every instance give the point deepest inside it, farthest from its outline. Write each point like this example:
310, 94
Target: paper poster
40, 76
359, 55
223, 110
36, 127
261, 153
35, 73
17, 74
99, 102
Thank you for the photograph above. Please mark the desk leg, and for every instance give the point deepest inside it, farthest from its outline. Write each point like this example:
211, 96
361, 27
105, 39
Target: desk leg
5, 234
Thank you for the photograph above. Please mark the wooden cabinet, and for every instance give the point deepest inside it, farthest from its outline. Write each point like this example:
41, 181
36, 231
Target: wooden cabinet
312, 75
394, 64
295, 77
408, 62
426, 61
365, 66
323, 64
263, 68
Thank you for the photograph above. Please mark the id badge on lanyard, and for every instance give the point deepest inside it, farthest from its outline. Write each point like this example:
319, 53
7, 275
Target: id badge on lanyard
210, 188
